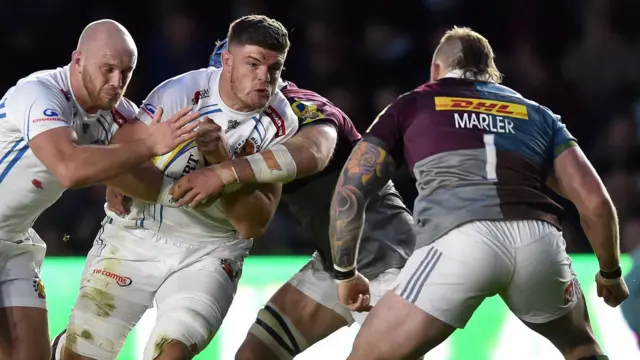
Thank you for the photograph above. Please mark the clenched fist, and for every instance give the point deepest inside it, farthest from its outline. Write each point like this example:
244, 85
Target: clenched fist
211, 142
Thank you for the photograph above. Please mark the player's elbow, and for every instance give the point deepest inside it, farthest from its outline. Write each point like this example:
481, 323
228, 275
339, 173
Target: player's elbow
596, 204
255, 225
68, 176
251, 231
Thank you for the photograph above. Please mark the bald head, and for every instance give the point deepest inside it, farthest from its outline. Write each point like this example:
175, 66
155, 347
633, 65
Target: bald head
102, 64
106, 33
467, 51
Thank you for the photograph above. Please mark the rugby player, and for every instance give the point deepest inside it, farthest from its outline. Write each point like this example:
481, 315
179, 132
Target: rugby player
306, 309
481, 155
188, 261
54, 130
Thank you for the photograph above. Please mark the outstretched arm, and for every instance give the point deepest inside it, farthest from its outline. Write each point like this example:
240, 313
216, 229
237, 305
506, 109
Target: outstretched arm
366, 172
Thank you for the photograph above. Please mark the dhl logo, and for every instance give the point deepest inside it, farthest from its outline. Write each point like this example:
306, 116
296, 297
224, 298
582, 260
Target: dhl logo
482, 105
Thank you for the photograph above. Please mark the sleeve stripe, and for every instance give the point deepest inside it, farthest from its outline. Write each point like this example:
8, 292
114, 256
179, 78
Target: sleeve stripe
562, 147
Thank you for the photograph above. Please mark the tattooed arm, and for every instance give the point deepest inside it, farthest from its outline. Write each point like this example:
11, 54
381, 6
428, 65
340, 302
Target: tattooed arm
368, 169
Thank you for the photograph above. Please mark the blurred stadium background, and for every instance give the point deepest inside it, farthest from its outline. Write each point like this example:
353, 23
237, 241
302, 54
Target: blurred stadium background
579, 57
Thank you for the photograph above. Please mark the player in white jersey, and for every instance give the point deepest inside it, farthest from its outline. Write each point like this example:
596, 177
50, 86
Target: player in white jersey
50, 124
188, 261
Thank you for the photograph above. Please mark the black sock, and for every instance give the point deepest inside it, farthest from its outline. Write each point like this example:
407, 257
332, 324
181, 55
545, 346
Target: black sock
595, 357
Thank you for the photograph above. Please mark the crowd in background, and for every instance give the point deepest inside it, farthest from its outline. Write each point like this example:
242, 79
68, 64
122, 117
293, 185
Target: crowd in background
578, 57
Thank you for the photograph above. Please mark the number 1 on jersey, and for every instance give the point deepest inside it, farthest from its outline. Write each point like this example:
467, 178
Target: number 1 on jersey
492, 158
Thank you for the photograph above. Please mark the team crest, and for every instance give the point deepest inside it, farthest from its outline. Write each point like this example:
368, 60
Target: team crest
228, 268
570, 292
232, 124
38, 287
246, 149
307, 111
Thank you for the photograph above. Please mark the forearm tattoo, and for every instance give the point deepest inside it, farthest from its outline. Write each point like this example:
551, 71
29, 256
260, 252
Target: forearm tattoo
367, 171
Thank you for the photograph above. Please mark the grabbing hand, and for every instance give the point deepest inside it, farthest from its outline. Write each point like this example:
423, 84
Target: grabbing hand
211, 142
164, 136
201, 186
117, 202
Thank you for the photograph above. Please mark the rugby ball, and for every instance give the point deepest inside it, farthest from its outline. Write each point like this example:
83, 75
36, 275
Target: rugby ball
182, 160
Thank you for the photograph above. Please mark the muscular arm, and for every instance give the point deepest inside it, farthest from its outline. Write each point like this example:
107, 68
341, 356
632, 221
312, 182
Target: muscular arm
251, 208
578, 181
142, 182
366, 172
78, 166
311, 149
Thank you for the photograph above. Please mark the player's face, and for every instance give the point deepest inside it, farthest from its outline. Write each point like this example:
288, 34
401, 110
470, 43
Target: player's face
255, 71
106, 76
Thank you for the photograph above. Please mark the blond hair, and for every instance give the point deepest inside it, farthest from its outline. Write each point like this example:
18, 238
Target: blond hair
464, 49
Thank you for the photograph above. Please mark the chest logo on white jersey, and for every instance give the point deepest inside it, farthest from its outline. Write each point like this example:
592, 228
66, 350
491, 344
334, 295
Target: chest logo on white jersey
200, 95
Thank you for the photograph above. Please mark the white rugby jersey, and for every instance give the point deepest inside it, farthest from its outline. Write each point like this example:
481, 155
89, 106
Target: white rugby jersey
246, 133
39, 102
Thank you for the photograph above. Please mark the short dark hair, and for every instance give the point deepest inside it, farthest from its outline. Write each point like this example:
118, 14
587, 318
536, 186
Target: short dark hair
259, 30
476, 57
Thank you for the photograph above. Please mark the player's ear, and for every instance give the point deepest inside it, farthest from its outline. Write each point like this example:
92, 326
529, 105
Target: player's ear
227, 59
76, 58
435, 70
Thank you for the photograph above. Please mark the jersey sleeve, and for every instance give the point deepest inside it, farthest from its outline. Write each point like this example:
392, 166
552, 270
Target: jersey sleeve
123, 113
171, 95
35, 107
561, 138
388, 128
284, 119
311, 112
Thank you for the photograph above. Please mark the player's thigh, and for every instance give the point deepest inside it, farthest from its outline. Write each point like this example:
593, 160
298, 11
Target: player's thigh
23, 315
545, 294
451, 277
571, 333
192, 303
397, 329
302, 312
118, 284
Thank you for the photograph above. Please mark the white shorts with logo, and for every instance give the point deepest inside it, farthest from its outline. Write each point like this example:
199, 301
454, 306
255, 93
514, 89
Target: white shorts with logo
127, 269
313, 281
20, 263
525, 262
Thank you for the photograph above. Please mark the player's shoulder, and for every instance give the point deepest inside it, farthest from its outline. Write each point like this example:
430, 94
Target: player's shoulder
42, 86
186, 83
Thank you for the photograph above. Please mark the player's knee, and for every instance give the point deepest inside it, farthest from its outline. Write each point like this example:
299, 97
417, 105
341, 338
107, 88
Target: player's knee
276, 332
174, 350
180, 328
97, 330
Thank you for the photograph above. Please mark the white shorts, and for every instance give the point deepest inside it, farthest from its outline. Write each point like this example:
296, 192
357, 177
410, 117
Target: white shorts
193, 287
20, 263
525, 262
313, 281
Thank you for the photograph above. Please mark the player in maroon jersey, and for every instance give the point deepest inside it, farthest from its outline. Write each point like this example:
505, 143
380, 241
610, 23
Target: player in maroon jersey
481, 155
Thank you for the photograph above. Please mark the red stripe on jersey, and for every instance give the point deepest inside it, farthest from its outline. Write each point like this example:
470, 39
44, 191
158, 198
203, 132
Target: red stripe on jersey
118, 118
277, 120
